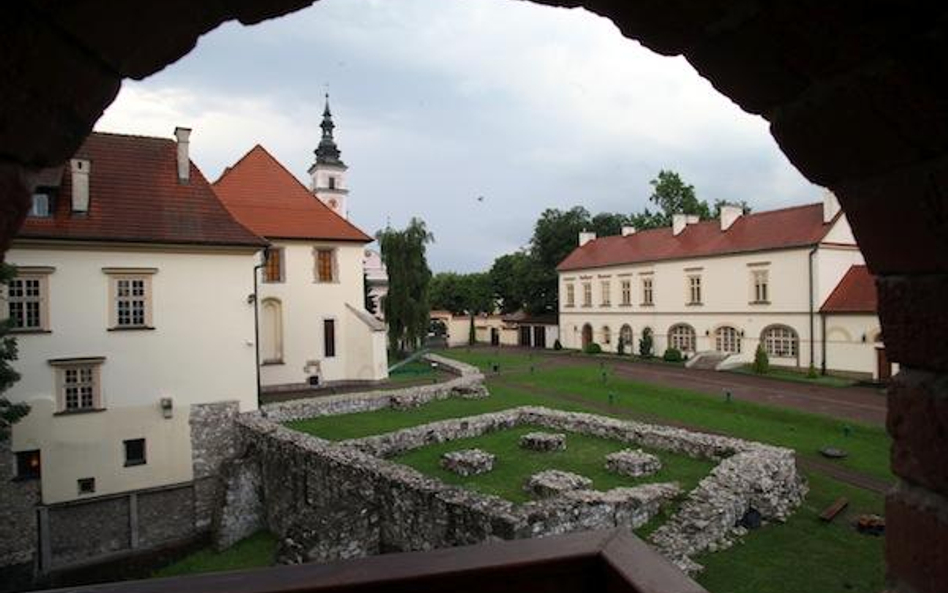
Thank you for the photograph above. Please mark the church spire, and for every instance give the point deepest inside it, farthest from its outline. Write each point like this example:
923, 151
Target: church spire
327, 152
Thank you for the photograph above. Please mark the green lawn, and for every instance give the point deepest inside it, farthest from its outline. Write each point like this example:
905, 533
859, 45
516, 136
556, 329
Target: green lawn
414, 371
256, 551
797, 376
584, 455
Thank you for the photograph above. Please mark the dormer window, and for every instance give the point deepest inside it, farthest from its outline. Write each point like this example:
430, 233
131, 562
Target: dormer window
42, 205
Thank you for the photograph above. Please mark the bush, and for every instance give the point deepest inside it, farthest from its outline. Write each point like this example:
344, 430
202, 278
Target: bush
761, 361
812, 374
592, 348
557, 345
672, 355
620, 347
645, 343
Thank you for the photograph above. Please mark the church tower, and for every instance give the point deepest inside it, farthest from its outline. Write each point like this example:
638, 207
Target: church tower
329, 172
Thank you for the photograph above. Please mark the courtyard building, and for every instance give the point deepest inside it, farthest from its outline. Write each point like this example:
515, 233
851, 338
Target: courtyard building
716, 289
314, 329
125, 252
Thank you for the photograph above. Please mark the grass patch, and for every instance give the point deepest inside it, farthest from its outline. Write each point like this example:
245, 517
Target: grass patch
797, 376
805, 554
256, 551
584, 455
414, 371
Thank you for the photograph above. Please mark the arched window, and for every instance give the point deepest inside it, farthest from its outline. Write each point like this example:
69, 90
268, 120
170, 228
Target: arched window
587, 335
271, 331
625, 334
780, 341
681, 336
606, 335
727, 339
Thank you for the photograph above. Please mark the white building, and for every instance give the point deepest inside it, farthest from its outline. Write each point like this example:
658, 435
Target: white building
376, 277
721, 286
314, 328
131, 314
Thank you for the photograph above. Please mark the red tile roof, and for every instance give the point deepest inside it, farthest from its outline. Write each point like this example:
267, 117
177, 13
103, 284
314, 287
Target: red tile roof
799, 226
266, 197
855, 293
134, 196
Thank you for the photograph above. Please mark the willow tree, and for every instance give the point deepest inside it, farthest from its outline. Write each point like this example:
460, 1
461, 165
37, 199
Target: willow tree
406, 305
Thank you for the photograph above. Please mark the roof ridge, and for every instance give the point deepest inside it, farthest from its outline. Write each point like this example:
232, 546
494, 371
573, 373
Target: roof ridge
136, 136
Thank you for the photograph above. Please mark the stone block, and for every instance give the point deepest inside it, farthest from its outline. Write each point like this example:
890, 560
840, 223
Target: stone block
633, 463
914, 320
918, 423
543, 441
553, 482
468, 462
917, 543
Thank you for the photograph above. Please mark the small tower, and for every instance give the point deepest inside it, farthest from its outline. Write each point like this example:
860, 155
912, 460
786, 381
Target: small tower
329, 172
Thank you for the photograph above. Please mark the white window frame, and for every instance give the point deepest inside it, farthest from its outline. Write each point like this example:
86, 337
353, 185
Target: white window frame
117, 276
606, 287
760, 286
31, 274
694, 289
587, 294
648, 291
727, 339
84, 377
570, 295
780, 341
682, 337
606, 334
626, 293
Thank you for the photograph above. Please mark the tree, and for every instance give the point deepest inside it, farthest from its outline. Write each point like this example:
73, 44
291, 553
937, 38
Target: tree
645, 343
719, 203
761, 360
407, 304
447, 293
368, 301
463, 293
509, 279
554, 237
10, 412
674, 196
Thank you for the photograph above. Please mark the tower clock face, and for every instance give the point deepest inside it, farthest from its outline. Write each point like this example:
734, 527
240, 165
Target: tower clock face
333, 203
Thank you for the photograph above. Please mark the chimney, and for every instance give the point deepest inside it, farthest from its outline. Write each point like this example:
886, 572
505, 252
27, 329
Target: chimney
184, 160
831, 206
679, 222
80, 184
586, 237
729, 214
628, 230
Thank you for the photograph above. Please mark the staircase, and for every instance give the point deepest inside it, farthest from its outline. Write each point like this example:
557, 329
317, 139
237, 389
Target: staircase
706, 360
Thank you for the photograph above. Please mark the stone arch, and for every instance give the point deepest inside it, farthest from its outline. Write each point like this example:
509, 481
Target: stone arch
626, 335
728, 338
271, 331
682, 337
780, 341
587, 335
838, 333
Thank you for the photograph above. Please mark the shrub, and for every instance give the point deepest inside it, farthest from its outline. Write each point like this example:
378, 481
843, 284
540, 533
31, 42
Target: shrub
592, 348
672, 355
761, 361
645, 343
811, 373
557, 345
620, 347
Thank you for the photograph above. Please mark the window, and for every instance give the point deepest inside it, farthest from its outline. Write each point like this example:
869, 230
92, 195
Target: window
626, 292
329, 338
761, 287
130, 303
570, 295
694, 290
780, 341
606, 335
625, 334
78, 384
271, 332
682, 337
647, 291
587, 294
273, 270
606, 293
28, 465
325, 265
727, 339
41, 206
134, 452
86, 485
332, 182
27, 301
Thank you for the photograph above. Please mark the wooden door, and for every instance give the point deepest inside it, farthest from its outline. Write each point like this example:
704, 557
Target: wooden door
883, 365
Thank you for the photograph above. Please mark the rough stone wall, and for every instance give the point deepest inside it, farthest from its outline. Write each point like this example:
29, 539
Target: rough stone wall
17, 520
80, 531
165, 516
242, 513
214, 440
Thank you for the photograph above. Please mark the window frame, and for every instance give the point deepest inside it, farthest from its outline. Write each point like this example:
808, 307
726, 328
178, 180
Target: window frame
570, 295
333, 262
606, 334
280, 259
129, 462
34, 472
648, 291
118, 275
606, 297
681, 335
587, 294
48, 196
277, 331
626, 290
39, 274
82, 482
62, 367
723, 335
760, 287
791, 338
694, 289
329, 346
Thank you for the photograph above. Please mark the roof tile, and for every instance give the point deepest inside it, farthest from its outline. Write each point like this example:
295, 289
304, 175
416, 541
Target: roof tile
855, 293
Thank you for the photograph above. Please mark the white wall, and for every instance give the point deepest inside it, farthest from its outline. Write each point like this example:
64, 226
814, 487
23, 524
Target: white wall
200, 351
306, 303
846, 350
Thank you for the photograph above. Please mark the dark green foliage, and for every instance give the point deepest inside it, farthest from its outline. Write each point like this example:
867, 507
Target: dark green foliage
557, 345
761, 361
10, 412
368, 303
646, 343
592, 348
672, 355
811, 373
407, 303
620, 347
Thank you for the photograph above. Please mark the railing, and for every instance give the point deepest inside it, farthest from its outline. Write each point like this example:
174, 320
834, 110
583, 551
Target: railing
598, 561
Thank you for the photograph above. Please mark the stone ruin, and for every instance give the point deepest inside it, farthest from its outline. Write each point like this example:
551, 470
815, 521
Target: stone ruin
332, 500
553, 482
634, 463
468, 462
543, 441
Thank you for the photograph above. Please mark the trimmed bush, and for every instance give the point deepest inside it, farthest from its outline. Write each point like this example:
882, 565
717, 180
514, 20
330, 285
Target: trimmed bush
812, 374
557, 345
620, 347
592, 348
672, 355
645, 343
761, 361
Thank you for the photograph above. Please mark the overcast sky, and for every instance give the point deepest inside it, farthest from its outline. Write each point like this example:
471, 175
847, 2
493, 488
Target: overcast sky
437, 103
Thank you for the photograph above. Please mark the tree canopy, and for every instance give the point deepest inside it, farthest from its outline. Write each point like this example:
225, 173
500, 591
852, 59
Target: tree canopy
407, 304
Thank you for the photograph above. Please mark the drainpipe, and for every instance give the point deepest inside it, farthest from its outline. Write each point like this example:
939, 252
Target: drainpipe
256, 318
810, 263
823, 343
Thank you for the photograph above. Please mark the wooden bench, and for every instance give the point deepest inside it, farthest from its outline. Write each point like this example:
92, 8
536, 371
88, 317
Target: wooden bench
834, 509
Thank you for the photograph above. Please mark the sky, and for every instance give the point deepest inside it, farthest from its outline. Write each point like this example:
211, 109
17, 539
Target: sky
438, 104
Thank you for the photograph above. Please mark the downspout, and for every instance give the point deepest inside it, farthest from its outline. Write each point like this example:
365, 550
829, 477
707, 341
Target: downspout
256, 318
823, 343
810, 263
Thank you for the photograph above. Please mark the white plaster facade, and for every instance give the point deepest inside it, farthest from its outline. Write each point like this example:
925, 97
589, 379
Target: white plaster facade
376, 275
727, 299
199, 349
